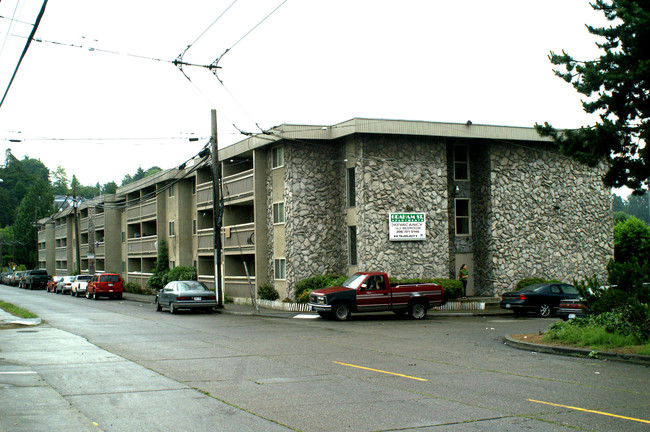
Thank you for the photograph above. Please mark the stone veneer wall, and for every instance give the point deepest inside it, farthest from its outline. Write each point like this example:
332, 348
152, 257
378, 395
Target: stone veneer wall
550, 217
314, 205
401, 174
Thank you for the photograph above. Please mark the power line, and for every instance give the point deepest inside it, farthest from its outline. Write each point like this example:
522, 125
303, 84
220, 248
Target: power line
22, 56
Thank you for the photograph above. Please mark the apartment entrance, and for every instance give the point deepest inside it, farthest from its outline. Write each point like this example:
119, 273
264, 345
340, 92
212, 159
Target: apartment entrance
467, 259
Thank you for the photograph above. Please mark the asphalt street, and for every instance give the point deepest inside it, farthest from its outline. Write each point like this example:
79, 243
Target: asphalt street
121, 366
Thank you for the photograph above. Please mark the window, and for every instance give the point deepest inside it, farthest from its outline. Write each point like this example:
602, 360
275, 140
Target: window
461, 162
463, 219
352, 245
278, 212
123, 236
193, 186
172, 264
350, 187
170, 191
280, 269
278, 157
193, 226
172, 232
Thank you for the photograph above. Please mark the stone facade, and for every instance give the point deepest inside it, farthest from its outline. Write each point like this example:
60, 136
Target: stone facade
398, 174
549, 217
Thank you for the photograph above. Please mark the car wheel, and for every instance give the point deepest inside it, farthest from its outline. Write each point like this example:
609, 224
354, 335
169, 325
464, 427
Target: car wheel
158, 307
544, 310
341, 311
172, 308
88, 295
95, 296
417, 310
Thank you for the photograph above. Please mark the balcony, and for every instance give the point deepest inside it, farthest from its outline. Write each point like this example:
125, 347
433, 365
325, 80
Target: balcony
61, 231
143, 211
83, 250
100, 220
204, 194
238, 239
99, 250
61, 254
238, 187
83, 225
205, 239
238, 286
142, 246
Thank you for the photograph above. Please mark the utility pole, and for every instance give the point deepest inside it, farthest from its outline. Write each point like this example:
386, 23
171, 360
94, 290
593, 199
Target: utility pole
77, 265
217, 215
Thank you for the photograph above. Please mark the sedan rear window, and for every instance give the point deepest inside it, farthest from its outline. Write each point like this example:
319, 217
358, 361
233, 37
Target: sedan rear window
191, 286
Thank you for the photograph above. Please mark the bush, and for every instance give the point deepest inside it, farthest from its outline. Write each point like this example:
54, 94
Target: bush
452, 288
304, 287
180, 273
267, 292
134, 288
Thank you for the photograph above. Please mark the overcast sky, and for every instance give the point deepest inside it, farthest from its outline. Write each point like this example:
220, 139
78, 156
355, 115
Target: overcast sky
102, 114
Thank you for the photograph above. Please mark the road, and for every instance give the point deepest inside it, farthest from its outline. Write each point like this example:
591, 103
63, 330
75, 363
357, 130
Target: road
121, 366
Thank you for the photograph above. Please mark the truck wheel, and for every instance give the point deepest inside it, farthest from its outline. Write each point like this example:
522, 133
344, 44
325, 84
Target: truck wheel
341, 311
417, 310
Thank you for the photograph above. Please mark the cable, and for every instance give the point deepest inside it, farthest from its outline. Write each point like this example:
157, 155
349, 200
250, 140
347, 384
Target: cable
22, 56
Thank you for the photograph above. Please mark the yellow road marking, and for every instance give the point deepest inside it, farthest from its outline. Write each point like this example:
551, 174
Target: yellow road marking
381, 371
591, 411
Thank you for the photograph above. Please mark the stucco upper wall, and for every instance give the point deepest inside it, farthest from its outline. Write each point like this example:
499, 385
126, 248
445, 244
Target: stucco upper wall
550, 216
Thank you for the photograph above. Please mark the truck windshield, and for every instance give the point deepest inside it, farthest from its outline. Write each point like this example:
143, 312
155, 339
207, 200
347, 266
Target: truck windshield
354, 281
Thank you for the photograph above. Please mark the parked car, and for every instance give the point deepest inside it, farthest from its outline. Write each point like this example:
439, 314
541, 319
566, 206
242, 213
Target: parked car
64, 285
542, 299
185, 295
571, 308
52, 283
79, 285
373, 292
105, 284
4, 277
16, 277
35, 279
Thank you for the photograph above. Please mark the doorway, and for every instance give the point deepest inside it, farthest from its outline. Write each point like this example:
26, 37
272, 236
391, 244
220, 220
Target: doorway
467, 259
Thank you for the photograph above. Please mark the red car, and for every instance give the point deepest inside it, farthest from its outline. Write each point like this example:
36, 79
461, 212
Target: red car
106, 285
51, 284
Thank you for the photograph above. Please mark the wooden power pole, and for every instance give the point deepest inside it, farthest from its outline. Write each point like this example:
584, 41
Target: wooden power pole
217, 215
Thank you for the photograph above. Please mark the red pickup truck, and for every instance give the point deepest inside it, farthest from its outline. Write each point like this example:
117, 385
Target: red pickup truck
373, 292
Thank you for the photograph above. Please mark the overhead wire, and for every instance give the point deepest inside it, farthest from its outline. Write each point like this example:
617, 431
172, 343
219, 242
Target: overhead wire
22, 56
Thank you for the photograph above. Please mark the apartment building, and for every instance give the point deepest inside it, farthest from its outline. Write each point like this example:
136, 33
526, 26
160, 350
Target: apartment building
414, 199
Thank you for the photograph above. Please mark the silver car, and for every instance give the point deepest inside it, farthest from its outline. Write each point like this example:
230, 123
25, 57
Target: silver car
64, 285
185, 295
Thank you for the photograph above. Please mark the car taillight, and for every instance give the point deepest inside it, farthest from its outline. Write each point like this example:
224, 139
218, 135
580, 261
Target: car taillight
570, 305
182, 298
522, 297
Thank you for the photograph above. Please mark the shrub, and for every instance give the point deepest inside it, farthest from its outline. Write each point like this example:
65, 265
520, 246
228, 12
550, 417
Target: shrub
180, 273
266, 291
134, 288
452, 288
304, 287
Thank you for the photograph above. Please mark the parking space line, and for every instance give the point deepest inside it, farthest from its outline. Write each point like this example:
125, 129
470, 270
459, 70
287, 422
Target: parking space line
381, 371
17, 373
591, 411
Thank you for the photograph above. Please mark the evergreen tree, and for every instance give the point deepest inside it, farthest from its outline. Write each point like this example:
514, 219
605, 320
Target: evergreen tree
618, 90
36, 205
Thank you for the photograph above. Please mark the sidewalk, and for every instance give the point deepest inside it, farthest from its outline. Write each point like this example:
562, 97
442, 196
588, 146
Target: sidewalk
453, 309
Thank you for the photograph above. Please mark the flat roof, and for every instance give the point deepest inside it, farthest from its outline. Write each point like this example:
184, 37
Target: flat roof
384, 127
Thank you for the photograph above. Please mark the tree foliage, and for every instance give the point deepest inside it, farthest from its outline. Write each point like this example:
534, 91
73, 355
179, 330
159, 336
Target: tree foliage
617, 89
36, 205
631, 241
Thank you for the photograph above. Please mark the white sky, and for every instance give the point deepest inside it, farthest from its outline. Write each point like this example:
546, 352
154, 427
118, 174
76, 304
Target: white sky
311, 62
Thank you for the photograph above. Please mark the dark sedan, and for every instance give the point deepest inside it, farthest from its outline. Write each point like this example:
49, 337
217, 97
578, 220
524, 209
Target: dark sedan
185, 295
542, 299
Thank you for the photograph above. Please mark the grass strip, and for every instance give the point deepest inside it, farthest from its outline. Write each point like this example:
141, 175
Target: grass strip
16, 311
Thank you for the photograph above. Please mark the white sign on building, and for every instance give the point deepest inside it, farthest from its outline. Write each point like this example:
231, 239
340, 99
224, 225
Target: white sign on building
407, 226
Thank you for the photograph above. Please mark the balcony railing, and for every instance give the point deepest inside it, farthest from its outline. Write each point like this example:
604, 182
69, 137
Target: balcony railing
205, 240
237, 286
61, 231
143, 211
100, 220
238, 186
83, 225
61, 254
99, 250
142, 245
204, 194
238, 238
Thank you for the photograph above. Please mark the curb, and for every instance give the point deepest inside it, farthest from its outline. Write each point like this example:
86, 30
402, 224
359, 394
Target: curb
577, 352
